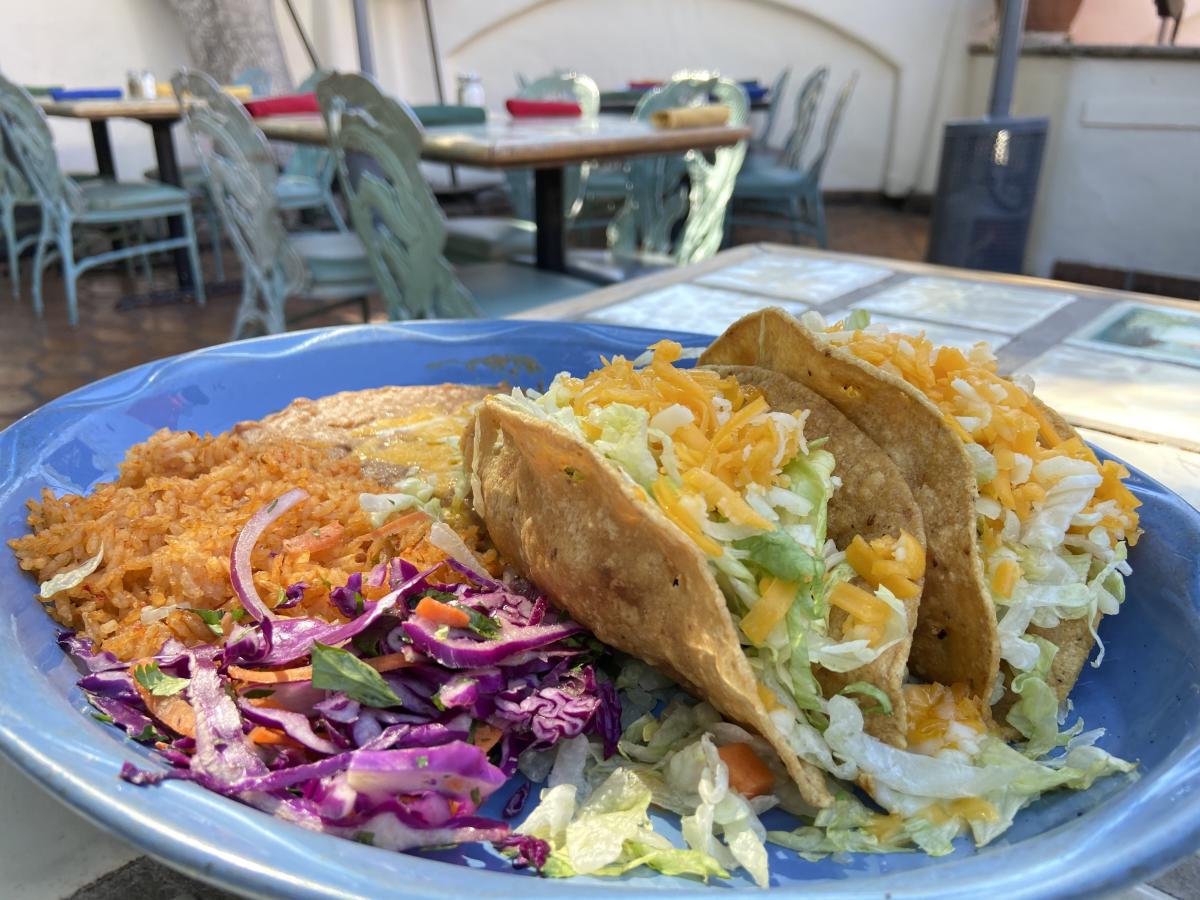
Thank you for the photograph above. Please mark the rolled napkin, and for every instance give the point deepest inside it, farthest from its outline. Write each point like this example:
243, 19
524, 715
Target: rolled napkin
690, 116
522, 109
445, 114
279, 106
87, 93
236, 91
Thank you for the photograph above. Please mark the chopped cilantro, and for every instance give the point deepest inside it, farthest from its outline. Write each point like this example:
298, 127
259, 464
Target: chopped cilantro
334, 669
211, 618
258, 693
883, 701
572, 473
476, 798
157, 682
103, 717
365, 837
150, 735
422, 761
484, 626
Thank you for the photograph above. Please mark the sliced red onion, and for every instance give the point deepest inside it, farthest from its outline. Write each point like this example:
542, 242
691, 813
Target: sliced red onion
468, 653
240, 571
295, 725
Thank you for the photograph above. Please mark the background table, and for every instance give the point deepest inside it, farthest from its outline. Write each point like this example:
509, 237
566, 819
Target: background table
545, 145
1032, 323
161, 116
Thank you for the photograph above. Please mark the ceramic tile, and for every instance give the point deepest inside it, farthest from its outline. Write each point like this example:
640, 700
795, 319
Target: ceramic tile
940, 334
1123, 394
687, 307
794, 277
991, 307
1153, 332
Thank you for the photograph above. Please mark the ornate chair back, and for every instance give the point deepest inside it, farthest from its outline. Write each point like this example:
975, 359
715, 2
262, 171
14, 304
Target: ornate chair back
806, 115
376, 142
239, 169
676, 205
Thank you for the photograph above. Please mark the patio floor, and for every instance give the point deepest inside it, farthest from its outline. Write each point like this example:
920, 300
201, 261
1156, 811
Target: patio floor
42, 359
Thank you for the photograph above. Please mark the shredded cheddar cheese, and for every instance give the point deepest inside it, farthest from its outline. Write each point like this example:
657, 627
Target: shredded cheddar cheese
983, 408
941, 717
894, 563
732, 443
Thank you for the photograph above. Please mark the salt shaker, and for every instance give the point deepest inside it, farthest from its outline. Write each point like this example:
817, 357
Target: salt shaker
470, 90
149, 85
133, 84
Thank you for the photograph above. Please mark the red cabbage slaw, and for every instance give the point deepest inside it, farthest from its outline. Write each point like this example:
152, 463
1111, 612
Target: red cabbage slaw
389, 729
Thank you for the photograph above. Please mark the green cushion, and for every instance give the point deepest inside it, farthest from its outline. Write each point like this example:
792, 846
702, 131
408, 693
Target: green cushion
439, 114
503, 289
606, 184
298, 192
768, 182
332, 256
103, 197
191, 177
488, 238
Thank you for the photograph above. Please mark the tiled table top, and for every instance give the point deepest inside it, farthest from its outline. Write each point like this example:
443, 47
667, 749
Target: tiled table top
1125, 368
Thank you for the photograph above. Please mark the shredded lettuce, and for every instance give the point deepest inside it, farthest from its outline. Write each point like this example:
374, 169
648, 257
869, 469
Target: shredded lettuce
64, 581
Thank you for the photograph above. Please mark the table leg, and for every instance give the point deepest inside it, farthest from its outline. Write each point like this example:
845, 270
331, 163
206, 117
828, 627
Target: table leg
168, 172
104, 158
548, 214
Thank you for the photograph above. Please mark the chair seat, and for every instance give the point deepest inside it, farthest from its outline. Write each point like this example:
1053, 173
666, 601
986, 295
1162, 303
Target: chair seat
333, 258
105, 198
504, 289
191, 177
607, 183
488, 238
298, 192
768, 182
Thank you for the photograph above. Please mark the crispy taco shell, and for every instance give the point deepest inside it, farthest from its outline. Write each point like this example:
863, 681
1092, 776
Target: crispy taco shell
955, 640
601, 549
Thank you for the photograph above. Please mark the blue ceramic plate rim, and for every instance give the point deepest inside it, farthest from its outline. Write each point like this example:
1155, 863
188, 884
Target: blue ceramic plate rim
1126, 838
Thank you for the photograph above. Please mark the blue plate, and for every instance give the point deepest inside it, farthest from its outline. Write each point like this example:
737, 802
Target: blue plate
1067, 844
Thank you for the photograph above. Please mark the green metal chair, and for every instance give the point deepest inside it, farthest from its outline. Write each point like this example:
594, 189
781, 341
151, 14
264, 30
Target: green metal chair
493, 238
306, 182
68, 206
762, 140
377, 143
807, 101
15, 193
789, 187
277, 266
674, 210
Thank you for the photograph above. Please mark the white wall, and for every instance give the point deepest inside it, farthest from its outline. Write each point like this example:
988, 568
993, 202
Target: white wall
85, 43
905, 54
1120, 183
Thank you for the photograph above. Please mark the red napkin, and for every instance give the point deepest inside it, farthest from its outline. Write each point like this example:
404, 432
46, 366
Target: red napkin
519, 109
278, 106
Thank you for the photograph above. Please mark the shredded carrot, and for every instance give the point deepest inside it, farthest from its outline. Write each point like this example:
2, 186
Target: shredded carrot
260, 735
174, 711
442, 613
486, 736
316, 540
386, 663
397, 525
748, 774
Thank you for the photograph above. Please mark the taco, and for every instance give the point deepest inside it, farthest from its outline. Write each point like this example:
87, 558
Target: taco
1027, 530
702, 520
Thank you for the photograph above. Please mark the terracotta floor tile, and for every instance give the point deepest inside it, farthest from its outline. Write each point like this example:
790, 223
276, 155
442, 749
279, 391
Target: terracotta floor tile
41, 359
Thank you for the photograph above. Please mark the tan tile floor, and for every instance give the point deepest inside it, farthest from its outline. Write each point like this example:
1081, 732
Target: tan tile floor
42, 359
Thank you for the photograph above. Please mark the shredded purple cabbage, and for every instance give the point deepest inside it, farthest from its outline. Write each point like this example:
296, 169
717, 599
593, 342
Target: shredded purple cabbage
400, 776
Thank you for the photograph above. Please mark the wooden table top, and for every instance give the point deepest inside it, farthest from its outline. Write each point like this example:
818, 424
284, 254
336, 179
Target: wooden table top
96, 110
1123, 367
502, 143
